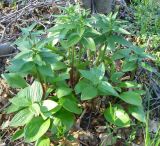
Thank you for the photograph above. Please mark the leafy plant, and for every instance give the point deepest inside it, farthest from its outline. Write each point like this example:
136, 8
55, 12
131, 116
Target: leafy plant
80, 58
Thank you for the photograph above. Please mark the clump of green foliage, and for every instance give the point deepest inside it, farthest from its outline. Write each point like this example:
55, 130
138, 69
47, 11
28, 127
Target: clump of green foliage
75, 61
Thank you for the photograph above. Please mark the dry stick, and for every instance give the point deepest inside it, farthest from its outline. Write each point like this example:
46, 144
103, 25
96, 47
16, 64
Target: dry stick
7, 55
5, 106
80, 119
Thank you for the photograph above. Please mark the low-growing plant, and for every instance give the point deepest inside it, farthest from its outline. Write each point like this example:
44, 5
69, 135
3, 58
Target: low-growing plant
78, 59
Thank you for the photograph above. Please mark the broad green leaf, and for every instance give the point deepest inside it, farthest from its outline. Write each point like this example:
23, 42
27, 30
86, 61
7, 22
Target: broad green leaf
21, 118
12, 108
35, 109
70, 104
131, 97
107, 89
58, 66
122, 53
99, 71
15, 80
129, 66
121, 30
137, 112
115, 77
90, 76
36, 91
63, 118
45, 70
129, 84
43, 141
122, 41
72, 40
89, 43
82, 84
20, 101
61, 77
35, 129
88, 93
48, 105
63, 91
117, 116
95, 74
18, 134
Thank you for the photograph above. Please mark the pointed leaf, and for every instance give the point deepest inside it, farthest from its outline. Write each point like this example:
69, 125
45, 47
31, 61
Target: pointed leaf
137, 112
18, 134
107, 89
131, 97
117, 116
43, 141
15, 80
36, 128
21, 118
63, 91
88, 93
70, 104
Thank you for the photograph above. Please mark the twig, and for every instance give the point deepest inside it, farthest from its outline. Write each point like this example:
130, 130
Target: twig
80, 118
7, 55
5, 106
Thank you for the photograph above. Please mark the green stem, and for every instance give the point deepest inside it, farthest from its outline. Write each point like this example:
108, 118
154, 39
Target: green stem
99, 55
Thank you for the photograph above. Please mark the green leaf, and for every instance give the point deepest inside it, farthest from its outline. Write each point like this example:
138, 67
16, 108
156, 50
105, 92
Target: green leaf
48, 105
12, 108
88, 93
121, 30
122, 53
90, 76
82, 84
121, 40
131, 97
63, 118
72, 40
117, 116
43, 141
58, 66
89, 43
20, 100
63, 91
36, 91
18, 134
129, 66
70, 104
115, 77
129, 84
107, 89
35, 109
45, 70
95, 74
36, 128
137, 112
21, 118
15, 80
99, 71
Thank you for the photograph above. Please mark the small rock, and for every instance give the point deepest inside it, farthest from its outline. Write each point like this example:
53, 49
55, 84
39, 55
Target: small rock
6, 48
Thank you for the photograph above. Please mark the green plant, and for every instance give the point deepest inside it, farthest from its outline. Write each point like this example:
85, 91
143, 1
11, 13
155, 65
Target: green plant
151, 140
80, 58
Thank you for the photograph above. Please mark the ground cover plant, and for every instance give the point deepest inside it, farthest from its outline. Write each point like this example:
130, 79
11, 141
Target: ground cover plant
61, 72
